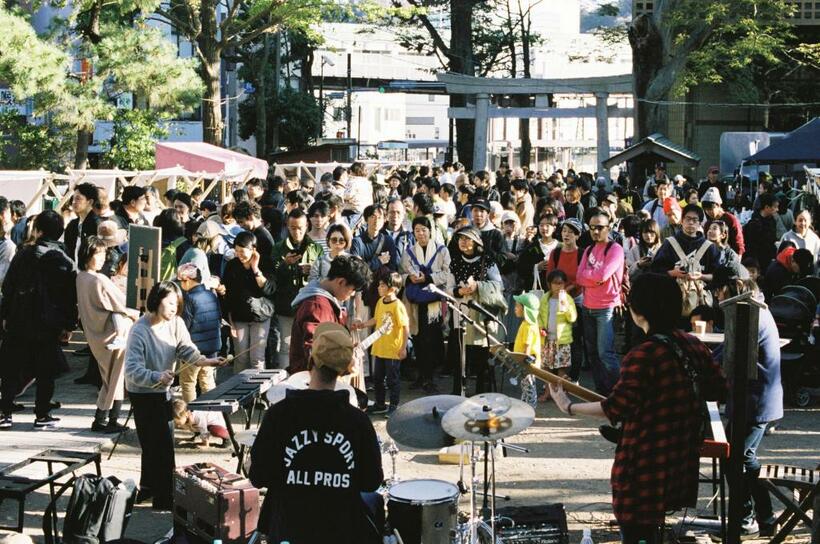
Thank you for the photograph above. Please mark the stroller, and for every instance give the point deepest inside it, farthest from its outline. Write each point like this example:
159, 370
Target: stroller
794, 309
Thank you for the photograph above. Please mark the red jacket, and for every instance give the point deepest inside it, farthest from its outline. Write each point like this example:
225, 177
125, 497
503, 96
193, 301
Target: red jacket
312, 310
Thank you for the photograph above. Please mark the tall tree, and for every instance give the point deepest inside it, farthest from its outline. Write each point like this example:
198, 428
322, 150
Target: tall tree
683, 43
240, 23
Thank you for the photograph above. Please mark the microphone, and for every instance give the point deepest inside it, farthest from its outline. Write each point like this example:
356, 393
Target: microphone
435, 290
481, 309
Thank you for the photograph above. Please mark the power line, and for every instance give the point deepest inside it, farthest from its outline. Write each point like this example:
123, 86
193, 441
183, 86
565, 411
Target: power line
727, 104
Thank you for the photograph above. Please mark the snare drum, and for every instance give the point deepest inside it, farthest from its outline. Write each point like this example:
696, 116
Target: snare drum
423, 511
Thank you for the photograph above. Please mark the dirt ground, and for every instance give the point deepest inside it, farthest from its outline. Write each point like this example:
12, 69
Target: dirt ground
568, 461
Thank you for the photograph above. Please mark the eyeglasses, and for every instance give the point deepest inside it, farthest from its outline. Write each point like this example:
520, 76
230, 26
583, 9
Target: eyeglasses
337, 240
598, 227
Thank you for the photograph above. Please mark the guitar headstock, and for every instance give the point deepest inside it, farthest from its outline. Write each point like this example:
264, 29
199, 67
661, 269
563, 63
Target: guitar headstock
518, 365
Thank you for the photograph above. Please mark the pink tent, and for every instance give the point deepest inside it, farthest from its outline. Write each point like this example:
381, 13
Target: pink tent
202, 157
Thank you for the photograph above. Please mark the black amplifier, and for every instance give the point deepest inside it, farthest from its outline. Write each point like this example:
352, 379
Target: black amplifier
546, 524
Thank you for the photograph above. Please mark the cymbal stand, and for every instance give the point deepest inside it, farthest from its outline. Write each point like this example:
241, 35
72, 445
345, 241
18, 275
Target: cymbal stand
474, 517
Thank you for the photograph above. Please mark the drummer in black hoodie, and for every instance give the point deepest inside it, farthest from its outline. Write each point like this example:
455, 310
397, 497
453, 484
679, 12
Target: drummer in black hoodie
317, 455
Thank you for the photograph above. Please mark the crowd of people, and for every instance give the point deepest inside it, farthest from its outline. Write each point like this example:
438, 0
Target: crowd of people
555, 265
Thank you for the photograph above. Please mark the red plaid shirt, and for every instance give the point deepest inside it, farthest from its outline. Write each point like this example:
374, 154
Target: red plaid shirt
656, 462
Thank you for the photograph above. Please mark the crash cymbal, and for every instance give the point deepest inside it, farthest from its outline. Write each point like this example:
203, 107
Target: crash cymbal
417, 424
487, 417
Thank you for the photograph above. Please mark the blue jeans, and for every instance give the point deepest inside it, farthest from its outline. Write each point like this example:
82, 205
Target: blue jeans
386, 370
757, 504
599, 338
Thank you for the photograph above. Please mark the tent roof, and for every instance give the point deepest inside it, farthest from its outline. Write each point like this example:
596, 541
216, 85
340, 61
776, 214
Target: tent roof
203, 157
655, 144
799, 145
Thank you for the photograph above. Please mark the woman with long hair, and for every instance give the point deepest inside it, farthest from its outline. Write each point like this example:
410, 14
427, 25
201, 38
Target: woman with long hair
803, 235
718, 234
338, 242
639, 257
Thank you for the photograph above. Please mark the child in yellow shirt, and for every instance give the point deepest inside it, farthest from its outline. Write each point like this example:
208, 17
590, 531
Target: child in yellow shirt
528, 339
390, 349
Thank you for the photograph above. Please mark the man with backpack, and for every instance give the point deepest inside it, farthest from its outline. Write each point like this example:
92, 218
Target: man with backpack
39, 312
689, 258
600, 273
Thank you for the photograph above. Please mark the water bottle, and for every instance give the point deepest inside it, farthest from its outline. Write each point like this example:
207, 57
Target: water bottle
587, 538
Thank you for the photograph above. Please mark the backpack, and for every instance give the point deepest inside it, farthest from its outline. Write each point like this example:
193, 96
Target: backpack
694, 292
415, 292
99, 509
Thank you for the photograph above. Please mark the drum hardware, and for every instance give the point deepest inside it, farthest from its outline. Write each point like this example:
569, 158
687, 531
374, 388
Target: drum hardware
389, 447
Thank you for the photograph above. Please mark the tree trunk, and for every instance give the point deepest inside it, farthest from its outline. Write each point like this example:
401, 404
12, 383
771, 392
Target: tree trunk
524, 124
261, 102
210, 70
647, 62
462, 62
81, 149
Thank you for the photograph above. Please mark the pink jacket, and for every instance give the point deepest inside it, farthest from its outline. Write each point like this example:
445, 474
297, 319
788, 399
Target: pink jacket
600, 273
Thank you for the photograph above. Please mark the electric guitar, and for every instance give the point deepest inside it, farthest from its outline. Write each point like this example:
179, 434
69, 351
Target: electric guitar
519, 365
356, 377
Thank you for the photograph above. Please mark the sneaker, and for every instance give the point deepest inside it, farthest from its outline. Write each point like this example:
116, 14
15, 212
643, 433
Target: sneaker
390, 410
47, 422
377, 409
5, 421
749, 530
117, 344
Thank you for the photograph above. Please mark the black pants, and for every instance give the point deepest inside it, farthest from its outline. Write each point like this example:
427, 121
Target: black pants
153, 416
21, 361
633, 534
428, 345
476, 363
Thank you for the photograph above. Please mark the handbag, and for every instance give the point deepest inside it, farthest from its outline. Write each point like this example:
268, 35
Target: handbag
537, 289
416, 292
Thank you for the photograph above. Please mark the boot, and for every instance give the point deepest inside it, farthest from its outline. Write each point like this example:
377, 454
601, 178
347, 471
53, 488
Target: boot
113, 415
99, 426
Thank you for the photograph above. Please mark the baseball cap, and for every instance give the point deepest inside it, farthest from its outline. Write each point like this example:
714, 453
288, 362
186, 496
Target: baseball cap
481, 203
712, 194
332, 347
510, 215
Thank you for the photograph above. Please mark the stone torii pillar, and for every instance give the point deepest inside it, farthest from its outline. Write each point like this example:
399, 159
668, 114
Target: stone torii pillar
602, 129
482, 114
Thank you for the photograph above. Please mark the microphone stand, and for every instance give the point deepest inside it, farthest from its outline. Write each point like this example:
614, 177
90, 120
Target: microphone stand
462, 331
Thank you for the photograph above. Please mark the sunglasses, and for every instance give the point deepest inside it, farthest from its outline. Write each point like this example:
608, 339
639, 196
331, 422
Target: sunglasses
598, 227
337, 240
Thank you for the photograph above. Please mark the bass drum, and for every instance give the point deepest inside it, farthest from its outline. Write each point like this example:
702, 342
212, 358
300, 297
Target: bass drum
423, 511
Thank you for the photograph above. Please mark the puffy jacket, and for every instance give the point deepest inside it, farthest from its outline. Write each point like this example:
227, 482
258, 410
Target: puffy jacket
203, 319
564, 320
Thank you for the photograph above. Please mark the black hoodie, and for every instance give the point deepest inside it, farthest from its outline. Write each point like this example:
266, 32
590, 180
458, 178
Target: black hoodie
316, 453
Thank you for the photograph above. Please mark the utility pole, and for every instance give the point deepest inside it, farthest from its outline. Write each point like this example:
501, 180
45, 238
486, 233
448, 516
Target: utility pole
277, 69
349, 96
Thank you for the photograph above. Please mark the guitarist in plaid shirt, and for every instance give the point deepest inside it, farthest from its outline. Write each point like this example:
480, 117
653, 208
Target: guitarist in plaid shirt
660, 400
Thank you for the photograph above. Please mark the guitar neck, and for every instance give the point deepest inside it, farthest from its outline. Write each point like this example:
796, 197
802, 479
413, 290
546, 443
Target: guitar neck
570, 387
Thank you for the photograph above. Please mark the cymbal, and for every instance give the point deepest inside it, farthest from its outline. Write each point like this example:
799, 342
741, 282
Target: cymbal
417, 424
246, 437
487, 417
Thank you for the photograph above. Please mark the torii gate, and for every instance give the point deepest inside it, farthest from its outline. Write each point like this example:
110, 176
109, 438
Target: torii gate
482, 88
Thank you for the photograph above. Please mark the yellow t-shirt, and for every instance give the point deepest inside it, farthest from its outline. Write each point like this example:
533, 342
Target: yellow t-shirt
389, 345
528, 335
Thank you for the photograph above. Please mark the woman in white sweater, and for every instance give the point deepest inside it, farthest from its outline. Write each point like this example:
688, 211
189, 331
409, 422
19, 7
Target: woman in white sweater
803, 235
157, 340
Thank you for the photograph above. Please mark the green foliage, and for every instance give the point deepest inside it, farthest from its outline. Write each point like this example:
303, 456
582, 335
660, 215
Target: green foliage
136, 133
295, 113
31, 147
32, 68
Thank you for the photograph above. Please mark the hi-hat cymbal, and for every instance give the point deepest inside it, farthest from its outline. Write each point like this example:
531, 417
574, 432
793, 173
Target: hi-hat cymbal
487, 417
417, 424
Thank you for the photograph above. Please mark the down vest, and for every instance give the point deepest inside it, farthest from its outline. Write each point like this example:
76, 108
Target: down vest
203, 318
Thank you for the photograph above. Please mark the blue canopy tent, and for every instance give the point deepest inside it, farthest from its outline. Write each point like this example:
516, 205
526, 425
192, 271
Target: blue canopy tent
800, 146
